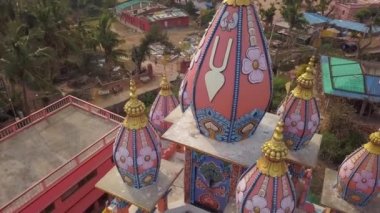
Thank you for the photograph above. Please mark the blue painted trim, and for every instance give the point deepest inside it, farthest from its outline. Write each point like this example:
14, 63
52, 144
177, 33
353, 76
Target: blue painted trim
235, 97
275, 189
267, 55
135, 165
202, 57
352, 174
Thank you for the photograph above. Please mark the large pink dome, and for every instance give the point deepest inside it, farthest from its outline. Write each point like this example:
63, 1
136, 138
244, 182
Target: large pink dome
359, 173
300, 111
229, 82
164, 103
137, 147
267, 186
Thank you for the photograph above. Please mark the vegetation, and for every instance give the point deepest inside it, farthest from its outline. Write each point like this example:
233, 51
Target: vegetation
279, 92
340, 134
370, 16
154, 35
42, 39
205, 17
268, 14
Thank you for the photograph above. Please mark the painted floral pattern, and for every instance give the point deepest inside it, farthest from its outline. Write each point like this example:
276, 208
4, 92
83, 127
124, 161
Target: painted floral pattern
287, 205
240, 190
122, 158
294, 123
146, 157
346, 169
313, 123
257, 204
254, 65
158, 118
364, 180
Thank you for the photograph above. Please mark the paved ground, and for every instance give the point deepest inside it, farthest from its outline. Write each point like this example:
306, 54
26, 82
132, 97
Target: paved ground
35, 152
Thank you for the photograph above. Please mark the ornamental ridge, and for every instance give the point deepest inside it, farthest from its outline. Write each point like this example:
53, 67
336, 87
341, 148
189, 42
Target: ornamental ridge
165, 86
305, 83
373, 145
272, 162
135, 110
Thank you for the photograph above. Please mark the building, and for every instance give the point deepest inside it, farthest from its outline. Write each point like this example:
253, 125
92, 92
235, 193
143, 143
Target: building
143, 14
51, 159
346, 9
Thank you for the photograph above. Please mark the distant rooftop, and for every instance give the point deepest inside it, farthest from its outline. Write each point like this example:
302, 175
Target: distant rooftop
38, 145
351, 79
165, 14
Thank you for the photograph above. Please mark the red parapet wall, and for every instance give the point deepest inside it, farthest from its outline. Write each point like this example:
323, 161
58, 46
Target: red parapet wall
37, 196
55, 107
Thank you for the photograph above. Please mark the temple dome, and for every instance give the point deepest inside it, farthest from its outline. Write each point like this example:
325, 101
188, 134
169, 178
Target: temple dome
137, 147
164, 103
300, 111
228, 83
359, 174
266, 186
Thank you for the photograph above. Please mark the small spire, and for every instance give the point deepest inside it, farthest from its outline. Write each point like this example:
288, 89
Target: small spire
165, 86
305, 83
373, 145
272, 162
237, 2
135, 110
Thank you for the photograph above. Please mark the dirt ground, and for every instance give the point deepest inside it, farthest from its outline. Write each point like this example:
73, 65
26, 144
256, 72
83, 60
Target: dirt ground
132, 38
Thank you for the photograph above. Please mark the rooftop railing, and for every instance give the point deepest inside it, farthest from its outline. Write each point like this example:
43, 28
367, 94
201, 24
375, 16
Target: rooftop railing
45, 112
48, 181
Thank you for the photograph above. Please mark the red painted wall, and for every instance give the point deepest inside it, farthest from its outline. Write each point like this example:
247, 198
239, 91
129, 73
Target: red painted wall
145, 25
84, 196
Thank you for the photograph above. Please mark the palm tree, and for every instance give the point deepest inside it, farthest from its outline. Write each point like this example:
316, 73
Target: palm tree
268, 14
291, 12
154, 35
108, 40
21, 63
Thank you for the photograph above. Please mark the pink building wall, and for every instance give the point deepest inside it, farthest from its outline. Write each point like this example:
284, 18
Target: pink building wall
347, 9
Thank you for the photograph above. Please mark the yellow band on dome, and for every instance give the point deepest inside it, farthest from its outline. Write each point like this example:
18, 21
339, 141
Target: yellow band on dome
305, 83
373, 146
165, 86
237, 2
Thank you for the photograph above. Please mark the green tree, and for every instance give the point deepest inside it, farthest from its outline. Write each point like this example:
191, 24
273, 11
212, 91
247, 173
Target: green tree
268, 14
154, 35
371, 17
205, 17
21, 64
323, 5
291, 12
108, 40
190, 8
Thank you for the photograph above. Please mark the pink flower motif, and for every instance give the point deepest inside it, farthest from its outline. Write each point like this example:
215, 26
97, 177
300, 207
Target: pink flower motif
346, 169
257, 204
240, 190
294, 123
254, 65
122, 158
183, 94
313, 123
146, 157
287, 205
364, 180
158, 118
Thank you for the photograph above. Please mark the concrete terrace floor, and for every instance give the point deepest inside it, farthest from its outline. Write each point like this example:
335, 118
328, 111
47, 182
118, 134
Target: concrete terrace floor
35, 152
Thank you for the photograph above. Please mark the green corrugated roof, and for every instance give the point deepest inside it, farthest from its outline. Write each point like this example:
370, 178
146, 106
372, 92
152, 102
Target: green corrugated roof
345, 78
129, 3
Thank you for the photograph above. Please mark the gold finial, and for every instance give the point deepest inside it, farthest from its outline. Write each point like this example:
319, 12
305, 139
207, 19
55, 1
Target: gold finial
237, 2
272, 162
165, 86
135, 110
373, 146
305, 83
